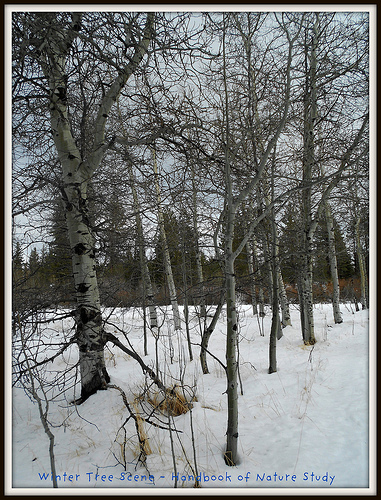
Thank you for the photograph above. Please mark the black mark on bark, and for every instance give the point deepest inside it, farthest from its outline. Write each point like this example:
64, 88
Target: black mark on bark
79, 249
82, 288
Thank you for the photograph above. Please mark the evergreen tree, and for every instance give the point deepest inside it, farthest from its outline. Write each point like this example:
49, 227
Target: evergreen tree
118, 263
17, 263
181, 243
321, 262
34, 266
363, 232
289, 244
56, 258
240, 264
290, 250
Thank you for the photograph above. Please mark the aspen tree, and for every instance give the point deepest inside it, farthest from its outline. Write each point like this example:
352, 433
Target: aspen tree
53, 36
361, 261
337, 316
166, 255
231, 204
275, 322
310, 115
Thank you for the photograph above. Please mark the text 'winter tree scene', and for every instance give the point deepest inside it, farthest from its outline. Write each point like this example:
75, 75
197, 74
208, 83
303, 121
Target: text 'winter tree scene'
190, 250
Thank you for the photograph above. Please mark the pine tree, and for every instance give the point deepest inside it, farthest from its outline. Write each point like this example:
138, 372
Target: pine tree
289, 243
17, 264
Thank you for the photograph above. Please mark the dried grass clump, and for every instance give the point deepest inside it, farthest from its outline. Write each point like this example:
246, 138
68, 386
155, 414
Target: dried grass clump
173, 403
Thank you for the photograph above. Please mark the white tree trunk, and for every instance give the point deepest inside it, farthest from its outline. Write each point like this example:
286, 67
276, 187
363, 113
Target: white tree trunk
361, 261
310, 112
231, 363
333, 266
200, 274
284, 304
250, 267
275, 322
166, 256
90, 338
148, 290
306, 294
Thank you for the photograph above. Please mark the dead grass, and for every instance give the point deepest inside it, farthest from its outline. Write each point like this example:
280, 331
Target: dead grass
174, 403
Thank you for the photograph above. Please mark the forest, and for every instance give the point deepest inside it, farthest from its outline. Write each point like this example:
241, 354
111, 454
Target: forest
190, 225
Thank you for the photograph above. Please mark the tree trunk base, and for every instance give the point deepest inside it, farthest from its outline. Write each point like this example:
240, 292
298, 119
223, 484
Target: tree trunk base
228, 457
94, 376
97, 384
310, 342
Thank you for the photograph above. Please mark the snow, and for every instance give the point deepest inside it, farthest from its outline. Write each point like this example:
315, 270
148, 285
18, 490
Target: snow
305, 426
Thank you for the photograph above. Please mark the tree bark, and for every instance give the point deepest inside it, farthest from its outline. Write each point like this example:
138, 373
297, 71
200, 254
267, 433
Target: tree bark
231, 365
230, 455
284, 304
306, 293
75, 177
275, 324
186, 308
89, 333
207, 334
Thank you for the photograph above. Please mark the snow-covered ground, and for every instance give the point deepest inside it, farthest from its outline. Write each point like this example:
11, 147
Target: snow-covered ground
305, 426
